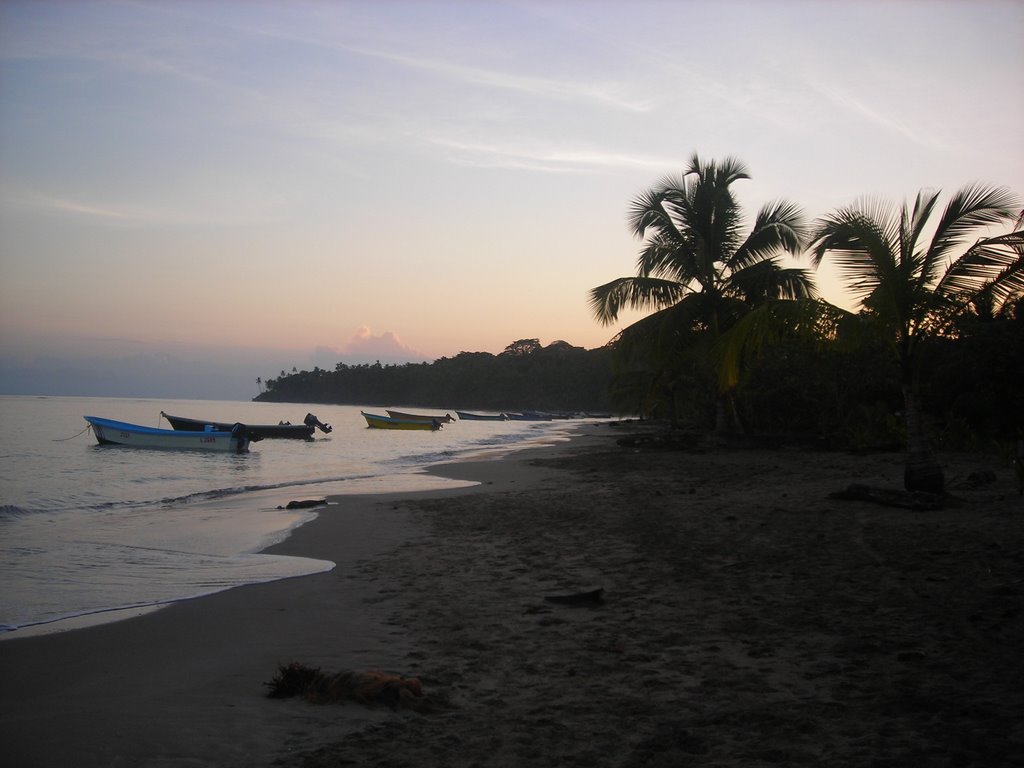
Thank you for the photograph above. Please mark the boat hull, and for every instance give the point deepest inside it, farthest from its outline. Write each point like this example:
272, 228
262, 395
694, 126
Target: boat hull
111, 432
447, 418
256, 431
373, 421
528, 416
466, 416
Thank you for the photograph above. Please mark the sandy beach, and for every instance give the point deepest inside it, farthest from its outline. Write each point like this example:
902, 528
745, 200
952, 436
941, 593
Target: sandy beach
745, 618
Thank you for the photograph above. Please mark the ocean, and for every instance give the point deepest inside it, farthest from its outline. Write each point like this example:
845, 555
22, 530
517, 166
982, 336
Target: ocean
91, 533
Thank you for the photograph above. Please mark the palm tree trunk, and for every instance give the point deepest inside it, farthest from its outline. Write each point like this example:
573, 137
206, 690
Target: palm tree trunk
727, 418
673, 408
922, 472
721, 424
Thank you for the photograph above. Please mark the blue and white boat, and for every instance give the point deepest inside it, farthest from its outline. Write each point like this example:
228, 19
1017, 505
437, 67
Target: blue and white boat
110, 432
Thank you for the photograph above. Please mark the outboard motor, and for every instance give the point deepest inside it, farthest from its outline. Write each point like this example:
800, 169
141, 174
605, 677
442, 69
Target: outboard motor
240, 434
313, 421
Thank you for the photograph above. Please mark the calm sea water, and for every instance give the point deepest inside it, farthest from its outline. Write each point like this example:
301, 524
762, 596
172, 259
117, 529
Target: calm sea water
89, 530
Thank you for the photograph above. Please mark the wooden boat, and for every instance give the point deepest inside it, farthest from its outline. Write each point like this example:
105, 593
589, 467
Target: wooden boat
388, 422
467, 416
302, 431
110, 432
447, 418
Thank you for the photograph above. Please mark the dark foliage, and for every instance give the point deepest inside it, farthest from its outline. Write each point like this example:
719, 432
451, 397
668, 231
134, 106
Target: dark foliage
526, 376
851, 398
847, 398
971, 384
843, 398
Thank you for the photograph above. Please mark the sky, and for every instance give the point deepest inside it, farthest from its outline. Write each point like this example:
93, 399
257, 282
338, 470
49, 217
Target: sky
194, 195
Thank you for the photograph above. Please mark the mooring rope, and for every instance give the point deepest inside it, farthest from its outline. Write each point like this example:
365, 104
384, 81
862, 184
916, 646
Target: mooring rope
63, 439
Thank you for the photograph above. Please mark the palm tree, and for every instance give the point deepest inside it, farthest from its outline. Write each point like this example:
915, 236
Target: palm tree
914, 287
699, 273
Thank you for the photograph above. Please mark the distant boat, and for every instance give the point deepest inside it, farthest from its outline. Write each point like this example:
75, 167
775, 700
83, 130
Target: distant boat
110, 432
467, 416
529, 416
447, 418
302, 431
388, 422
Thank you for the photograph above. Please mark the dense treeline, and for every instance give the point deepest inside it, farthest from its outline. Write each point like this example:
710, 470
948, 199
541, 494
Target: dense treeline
971, 389
837, 396
525, 376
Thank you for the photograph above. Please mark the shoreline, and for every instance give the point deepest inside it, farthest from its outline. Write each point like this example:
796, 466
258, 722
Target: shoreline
748, 619
266, 500
187, 678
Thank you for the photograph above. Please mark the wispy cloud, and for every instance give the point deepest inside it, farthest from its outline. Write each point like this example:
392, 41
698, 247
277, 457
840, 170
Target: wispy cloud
608, 94
549, 88
603, 93
98, 213
864, 111
551, 160
64, 205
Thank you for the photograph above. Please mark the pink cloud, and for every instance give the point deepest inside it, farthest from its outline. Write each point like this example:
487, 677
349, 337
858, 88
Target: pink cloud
365, 346
387, 344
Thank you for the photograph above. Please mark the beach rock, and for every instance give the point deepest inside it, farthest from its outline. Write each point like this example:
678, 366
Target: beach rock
305, 504
979, 478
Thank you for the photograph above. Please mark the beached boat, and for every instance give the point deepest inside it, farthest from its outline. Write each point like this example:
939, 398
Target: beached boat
110, 432
388, 422
467, 416
447, 418
302, 431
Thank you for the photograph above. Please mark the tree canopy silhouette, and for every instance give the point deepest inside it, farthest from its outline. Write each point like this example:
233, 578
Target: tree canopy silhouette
699, 272
913, 287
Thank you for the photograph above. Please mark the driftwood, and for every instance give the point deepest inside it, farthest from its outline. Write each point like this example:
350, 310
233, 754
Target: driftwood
372, 687
888, 497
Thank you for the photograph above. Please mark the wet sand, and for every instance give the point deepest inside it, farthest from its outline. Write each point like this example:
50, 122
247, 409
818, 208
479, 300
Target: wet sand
746, 619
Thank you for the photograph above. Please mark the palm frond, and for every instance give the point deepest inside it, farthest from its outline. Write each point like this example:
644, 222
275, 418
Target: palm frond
766, 325
779, 226
640, 293
768, 279
857, 239
668, 257
913, 262
923, 208
729, 170
973, 206
661, 342
711, 211
994, 265
647, 211
795, 283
